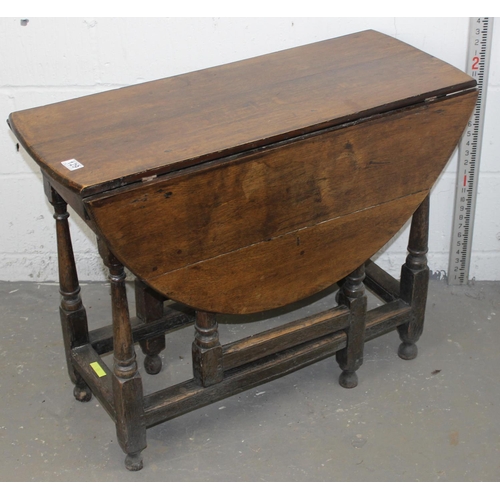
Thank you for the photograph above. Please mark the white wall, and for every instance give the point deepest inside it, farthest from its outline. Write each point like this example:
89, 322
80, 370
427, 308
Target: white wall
51, 59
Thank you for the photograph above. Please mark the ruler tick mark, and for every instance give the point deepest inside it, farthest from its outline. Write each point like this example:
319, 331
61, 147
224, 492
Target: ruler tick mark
479, 48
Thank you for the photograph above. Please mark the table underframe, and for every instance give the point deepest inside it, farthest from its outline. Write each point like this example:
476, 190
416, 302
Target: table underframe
220, 371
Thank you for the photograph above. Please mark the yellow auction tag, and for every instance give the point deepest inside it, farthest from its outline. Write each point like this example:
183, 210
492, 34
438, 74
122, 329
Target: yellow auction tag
98, 369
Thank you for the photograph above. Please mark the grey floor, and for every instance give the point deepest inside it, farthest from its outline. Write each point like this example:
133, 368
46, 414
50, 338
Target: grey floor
431, 419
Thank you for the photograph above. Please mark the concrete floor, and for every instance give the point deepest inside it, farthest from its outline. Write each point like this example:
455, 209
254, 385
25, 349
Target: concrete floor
431, 419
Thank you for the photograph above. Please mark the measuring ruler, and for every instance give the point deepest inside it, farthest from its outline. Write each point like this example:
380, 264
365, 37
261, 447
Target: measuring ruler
469, 152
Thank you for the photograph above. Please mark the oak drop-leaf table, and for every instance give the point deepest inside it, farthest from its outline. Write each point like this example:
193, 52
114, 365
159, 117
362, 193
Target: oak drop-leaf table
243, 188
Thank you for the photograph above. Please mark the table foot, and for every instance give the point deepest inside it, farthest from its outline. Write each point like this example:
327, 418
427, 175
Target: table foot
133, 461
348, 379
82, 393
407, 351
151, 349
415, 282
353, 295
149, 308
152, 364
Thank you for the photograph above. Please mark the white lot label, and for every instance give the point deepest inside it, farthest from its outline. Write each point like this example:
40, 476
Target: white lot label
72, 164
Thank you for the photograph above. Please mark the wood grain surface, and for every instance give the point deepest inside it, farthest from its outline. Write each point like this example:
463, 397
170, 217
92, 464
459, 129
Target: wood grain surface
252, 216
286, 269
240, 189
123, 135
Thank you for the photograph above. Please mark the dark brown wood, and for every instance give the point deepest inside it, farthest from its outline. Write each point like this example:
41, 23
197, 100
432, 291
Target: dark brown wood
98, 379
149, 308
241, 189
124, 135
277, 339
206, 350
126, 381
72, 313
148, 303
386, 318
380, 282
352, 294
283, 270
278, 190
101, 339
284, 192
415, 281
74, 200
190, 395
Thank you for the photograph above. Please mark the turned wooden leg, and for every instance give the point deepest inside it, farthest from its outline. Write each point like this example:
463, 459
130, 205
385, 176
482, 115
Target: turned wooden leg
127, 384
207, 351
415, 281
149, 307
73, 316
352, 294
